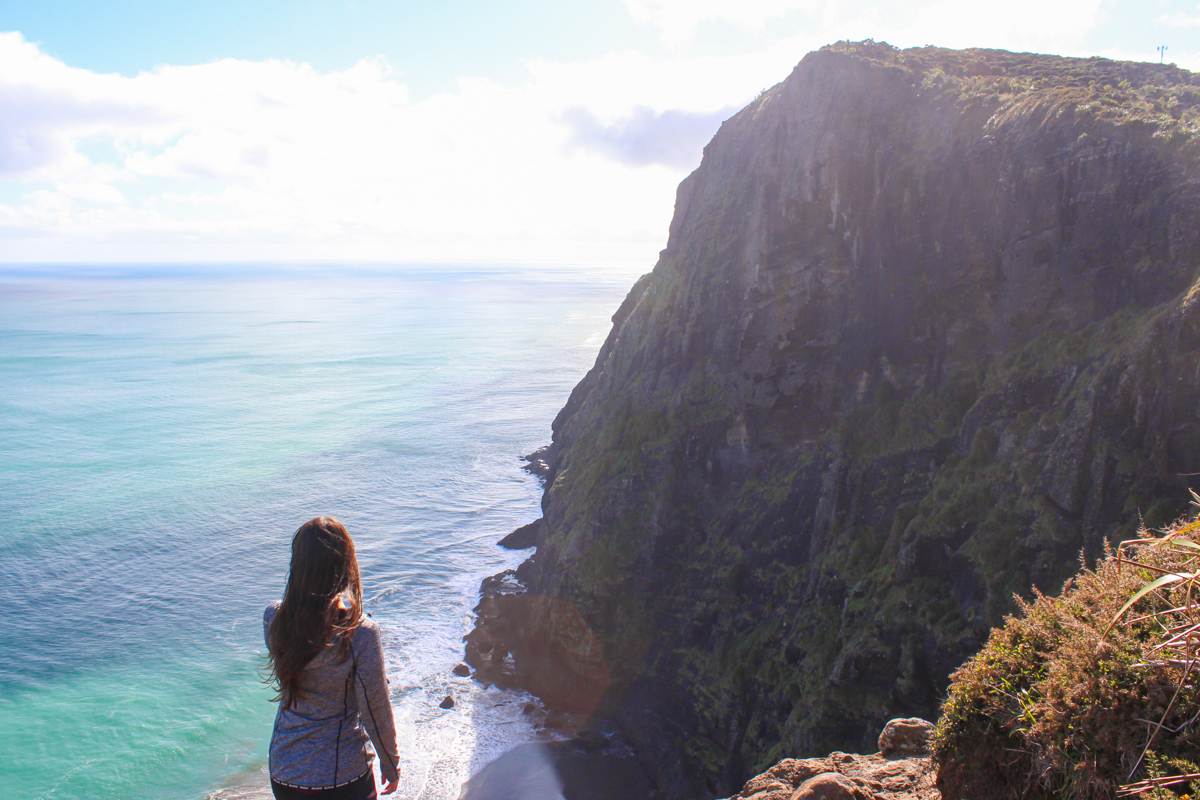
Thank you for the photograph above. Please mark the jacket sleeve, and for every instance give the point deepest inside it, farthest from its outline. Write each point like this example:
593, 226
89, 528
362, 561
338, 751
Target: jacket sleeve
374, 702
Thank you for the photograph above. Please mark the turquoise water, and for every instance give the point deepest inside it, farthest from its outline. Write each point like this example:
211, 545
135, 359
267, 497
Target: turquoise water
162, 433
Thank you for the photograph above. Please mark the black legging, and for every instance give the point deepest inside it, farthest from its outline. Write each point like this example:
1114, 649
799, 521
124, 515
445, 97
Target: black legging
361, 789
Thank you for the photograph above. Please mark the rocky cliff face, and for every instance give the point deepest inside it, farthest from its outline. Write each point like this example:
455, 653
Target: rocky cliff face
925, 329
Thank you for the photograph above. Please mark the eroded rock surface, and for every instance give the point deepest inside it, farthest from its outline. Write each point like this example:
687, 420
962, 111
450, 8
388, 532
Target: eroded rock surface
842, 776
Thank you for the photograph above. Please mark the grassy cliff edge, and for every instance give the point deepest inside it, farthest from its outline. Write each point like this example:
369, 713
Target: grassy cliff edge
1079, 694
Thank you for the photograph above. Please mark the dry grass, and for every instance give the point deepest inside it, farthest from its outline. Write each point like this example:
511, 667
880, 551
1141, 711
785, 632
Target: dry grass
1173, 597
1159, 95
1089, 693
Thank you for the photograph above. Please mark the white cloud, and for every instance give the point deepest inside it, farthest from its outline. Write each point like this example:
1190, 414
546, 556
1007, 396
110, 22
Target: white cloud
275, 157
1181, 19
47, 104
678, 20
1017, 24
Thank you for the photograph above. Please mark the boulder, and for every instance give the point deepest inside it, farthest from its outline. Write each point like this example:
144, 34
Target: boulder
764, 787
830, 786
905, 737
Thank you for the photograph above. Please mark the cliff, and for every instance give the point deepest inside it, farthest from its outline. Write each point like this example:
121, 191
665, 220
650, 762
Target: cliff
924, 329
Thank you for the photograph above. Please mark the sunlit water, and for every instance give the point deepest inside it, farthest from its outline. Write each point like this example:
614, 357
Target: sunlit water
162, 433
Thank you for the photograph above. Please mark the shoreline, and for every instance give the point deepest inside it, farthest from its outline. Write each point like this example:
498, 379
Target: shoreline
250, 785
593, 761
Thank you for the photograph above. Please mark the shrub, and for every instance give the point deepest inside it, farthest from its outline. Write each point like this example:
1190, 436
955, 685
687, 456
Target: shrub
1088, 694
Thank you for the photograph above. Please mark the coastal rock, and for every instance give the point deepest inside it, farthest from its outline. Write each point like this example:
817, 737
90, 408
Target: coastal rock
447, 702
524, 537
905, 737
925, 329
845, 776
461, 670
538, 463
561, 660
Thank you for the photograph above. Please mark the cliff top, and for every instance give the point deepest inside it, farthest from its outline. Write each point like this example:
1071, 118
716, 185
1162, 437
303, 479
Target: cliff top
1120, 91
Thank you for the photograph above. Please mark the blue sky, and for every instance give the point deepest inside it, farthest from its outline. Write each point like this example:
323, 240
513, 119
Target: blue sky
546, 132
433, 41
427, 43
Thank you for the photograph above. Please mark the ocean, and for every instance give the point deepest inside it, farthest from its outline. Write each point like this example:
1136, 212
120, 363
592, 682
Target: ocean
163, 431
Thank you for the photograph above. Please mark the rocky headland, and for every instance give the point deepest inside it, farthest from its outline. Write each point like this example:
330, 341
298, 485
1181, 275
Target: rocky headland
925, 330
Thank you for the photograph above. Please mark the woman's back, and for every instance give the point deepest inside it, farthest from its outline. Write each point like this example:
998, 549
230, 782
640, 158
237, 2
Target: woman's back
320, 740
327, 663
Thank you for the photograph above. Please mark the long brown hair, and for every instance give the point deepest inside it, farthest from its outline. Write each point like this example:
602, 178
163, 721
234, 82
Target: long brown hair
322, 603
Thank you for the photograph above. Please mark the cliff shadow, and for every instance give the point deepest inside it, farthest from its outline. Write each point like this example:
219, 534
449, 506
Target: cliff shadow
558, 771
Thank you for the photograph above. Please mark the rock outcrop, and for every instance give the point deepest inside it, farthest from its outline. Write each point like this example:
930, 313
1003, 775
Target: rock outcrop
925, 328
906, 775
905, 737
523, 537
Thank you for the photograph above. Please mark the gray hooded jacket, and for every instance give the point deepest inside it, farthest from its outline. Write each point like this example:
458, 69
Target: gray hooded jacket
322, 740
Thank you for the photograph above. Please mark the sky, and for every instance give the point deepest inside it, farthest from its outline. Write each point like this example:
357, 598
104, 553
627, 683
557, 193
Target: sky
539, 132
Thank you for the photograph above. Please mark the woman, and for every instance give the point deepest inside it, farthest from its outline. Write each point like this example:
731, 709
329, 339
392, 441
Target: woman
327, 667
